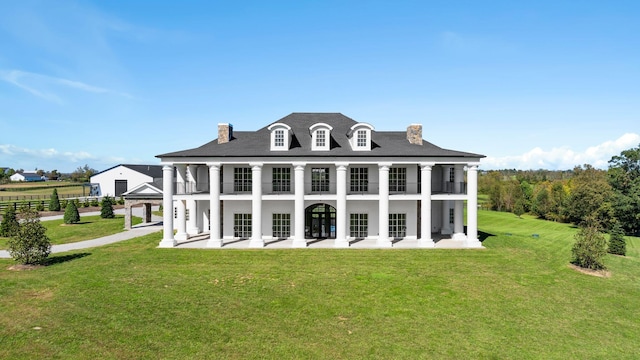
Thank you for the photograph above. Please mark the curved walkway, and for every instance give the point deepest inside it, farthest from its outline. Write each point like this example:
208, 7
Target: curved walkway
138, 230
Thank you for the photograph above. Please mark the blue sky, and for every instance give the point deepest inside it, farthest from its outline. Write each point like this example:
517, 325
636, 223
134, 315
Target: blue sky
529, 84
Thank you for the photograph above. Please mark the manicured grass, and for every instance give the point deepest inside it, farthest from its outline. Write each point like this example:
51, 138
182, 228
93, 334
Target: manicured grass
517, 299
89, 227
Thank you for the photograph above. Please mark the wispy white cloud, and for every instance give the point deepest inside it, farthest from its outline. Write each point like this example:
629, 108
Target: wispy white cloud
43, 86
42, 154
562, 158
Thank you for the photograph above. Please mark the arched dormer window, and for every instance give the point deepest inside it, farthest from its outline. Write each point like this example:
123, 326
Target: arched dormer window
280, 136
320, 136
360, 137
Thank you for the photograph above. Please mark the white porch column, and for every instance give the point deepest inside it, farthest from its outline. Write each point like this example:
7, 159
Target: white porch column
446, 205
425, 207
341, 205
167, 208
458, 210
214, 206
192, 223
298, 235
181, 221
472, 207
256, 205
383, 205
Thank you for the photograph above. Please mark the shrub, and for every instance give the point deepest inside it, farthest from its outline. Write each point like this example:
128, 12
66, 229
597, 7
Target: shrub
63, 204
30, 244
40, 206
121, 201
85, 203
54, 202
71, 215
106, 211
95, 202
590, 247
9, 224
617, 243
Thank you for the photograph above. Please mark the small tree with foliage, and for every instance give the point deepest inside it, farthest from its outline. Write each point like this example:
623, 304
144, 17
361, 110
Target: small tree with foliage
106, 210
9, 224
30, 244
54, 202
617, 243
71, 214
518, 208
590, 246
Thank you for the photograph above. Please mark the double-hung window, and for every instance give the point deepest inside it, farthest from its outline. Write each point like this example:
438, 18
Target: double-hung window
321, 138
358, 225
242, 179
359, 179
397, 179
397, 225
361, 138
278, 138
281, 180
320, 179
242, 225
281, 225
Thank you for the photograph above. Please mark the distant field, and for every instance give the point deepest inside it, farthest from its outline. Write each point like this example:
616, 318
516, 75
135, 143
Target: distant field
516, 299
30, 190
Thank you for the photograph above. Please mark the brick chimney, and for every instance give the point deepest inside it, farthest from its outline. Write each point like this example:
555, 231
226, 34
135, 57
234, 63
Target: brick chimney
225, 133
414, 134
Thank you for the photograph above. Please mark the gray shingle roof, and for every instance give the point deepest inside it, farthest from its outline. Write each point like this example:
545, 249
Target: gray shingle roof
257, 143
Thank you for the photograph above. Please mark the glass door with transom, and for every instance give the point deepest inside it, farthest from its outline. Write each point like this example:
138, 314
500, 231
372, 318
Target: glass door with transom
320, 221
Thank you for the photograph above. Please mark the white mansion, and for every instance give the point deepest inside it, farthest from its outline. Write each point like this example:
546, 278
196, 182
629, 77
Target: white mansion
312, 176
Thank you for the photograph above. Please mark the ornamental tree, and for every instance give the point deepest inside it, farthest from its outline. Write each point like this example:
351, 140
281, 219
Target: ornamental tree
9, 223
590, 247
617, 243
106, 210
29, 244
54, 202
71, 214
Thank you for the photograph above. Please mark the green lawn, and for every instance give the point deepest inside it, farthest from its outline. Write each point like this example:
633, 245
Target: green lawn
518, 299
89, 227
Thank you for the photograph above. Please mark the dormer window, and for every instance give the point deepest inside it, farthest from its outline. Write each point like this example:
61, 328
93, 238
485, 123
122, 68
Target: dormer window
320, 136
280, 136
360, 137
278, 140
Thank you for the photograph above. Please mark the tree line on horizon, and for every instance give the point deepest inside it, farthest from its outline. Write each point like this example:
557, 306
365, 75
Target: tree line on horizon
610, 198
81, 174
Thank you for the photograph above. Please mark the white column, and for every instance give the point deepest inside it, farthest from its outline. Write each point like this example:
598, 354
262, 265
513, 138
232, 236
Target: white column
341, 205
192, 223
425, 208
458, 205
446, 226
298, 183
181, 221
383, 206
214, 206
472, 207
167, 208
256, 205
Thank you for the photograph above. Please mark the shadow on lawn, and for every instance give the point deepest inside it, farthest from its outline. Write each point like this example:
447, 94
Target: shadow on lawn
482, 236
54, 260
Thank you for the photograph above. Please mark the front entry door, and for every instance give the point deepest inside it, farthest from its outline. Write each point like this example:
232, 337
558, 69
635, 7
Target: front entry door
320, 221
